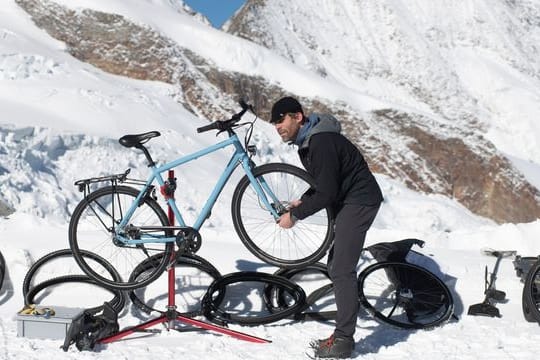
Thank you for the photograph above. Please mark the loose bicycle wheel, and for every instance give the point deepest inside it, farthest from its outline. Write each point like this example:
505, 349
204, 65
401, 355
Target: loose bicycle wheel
404, 295
193, 276
304, 243
92, 228
531, 294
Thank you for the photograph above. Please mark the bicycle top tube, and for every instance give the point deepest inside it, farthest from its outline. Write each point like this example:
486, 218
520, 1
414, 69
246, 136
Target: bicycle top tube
232, 140
240, 156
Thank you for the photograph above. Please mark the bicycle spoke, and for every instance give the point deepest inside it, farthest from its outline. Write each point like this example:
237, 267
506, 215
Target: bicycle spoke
259, 231
404, 295
88, 232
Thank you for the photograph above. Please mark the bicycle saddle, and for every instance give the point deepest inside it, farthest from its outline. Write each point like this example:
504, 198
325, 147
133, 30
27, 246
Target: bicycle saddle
137, 140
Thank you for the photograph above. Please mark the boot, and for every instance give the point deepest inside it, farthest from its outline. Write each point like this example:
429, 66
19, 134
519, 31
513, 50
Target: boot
333, 347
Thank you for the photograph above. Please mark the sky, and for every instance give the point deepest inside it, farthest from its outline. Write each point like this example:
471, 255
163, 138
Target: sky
217, 11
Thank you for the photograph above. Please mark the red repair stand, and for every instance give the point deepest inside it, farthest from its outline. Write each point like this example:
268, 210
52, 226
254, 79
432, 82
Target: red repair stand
171, 315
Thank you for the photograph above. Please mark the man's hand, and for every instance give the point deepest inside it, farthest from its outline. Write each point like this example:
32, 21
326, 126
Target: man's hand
285, 221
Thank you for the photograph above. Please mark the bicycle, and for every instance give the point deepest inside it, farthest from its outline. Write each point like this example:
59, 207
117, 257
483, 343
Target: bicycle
126, 225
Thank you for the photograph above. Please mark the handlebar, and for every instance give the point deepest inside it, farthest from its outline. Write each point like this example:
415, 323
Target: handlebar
227, 124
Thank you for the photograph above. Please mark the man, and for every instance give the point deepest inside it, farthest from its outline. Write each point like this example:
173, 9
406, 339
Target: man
343, 182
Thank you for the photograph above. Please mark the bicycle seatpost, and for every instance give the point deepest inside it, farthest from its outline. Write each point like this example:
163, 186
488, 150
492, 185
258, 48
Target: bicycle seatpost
147, 155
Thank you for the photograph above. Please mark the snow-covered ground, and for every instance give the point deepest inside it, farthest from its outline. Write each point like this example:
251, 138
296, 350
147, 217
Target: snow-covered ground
453, 240
61, 119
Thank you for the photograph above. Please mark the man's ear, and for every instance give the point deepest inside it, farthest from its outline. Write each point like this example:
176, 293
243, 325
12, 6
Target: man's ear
299, 117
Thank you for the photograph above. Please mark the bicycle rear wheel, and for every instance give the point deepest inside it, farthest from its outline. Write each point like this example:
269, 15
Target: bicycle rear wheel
404, 295
531, 294
92, 229
304, 243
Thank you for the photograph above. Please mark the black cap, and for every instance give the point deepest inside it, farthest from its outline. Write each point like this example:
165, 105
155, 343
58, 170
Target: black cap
284, 106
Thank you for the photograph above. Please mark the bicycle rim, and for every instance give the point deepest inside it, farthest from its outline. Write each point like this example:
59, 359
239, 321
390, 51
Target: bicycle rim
404, 295
193, 276
304, 243
92, 229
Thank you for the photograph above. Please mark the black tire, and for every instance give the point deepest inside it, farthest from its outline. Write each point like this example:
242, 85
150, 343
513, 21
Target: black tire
303, 244
214, 309
117, 302
276, 292
2, 270
531, 294
404, 295
92, 229
186, 260
323, 291
62, 253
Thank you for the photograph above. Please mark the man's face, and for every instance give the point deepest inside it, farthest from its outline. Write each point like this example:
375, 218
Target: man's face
288, 126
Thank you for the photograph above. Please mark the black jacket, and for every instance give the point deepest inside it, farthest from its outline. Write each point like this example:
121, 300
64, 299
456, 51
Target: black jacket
341, 173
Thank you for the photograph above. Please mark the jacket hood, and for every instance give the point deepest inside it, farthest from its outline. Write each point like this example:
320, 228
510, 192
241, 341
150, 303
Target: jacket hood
315, 124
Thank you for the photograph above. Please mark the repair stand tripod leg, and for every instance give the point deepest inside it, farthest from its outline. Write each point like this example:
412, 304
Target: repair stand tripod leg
171, 315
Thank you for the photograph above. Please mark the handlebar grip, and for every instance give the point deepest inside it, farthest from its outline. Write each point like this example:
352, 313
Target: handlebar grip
211, 126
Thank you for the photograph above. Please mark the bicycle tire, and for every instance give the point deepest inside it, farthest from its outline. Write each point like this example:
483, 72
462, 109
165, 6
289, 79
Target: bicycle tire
190, 260
2, 270
276, 292
315, 296
212, 304
92, 229
531, 294
62, 253
404, 295
117, 302
305, 243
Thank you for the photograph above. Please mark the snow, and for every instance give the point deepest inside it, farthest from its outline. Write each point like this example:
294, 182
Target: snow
61, 121
450, 60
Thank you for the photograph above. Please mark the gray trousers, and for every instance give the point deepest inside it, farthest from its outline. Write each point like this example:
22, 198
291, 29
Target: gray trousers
352, 223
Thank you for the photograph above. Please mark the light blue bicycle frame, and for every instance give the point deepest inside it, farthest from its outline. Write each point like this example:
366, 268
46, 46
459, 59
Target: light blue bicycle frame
239, 157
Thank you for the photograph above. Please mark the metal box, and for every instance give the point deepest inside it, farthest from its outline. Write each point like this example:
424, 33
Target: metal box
47, 327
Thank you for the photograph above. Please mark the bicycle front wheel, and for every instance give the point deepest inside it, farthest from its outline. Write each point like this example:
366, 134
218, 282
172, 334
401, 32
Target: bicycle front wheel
404, 295
531, 294
93, 227
304, 243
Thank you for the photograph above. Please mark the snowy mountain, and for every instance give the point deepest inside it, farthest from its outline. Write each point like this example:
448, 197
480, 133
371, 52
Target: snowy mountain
472, 69
398, 77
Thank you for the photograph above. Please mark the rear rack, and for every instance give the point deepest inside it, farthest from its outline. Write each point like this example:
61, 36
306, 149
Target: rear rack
84, 184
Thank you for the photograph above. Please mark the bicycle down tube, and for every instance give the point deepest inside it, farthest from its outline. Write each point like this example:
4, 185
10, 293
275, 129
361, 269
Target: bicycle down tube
238, 157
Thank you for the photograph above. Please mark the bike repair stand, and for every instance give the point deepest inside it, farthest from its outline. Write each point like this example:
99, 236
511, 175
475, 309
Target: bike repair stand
171, 315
